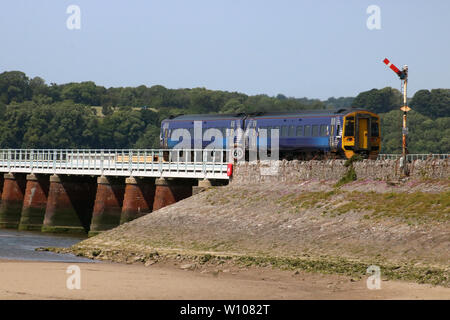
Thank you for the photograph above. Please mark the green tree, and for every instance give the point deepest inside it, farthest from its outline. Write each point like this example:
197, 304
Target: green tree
38, 87
379, 101
434, 103
234, 105
107, 110
14, 87
149, 139
85, 92
425, 134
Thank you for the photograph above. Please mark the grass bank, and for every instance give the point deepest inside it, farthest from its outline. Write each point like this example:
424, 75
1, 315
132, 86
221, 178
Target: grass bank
311, 225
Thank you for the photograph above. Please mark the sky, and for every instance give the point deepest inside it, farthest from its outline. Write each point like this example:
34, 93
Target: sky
315, 49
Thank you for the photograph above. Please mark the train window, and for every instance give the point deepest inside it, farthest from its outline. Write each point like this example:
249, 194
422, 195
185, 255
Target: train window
265, 129
374, 130
291, 131
338, 130
323, 130
299, 132
349, 128
307, 131
276, 128
315, 130
284, 131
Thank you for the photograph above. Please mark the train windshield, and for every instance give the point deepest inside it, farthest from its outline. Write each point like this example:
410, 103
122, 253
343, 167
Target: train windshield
350, 127
374, 129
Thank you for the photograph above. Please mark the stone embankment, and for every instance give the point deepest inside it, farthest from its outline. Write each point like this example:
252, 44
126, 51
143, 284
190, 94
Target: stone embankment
294, 171
299, 220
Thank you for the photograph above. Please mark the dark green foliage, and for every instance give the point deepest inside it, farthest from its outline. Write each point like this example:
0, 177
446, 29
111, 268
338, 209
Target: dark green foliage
339, 103
425, 134
36, 115
379, 101
107, 110
14, 87
433, 104
354, 158
350, 174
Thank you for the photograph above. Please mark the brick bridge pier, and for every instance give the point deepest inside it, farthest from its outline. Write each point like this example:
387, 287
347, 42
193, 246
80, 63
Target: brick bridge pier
90, 191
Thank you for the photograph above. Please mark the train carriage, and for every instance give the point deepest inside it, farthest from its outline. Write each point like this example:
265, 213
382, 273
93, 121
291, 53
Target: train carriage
221, 122
302, 134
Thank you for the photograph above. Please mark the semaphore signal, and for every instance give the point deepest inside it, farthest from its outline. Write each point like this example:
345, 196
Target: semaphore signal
403, 75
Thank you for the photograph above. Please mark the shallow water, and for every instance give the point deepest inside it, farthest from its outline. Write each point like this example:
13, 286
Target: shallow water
21, 245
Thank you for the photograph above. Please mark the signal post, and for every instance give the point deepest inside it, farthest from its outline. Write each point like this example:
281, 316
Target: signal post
403, 75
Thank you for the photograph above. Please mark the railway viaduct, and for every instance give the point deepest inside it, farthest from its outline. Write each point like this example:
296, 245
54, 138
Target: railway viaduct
90, 191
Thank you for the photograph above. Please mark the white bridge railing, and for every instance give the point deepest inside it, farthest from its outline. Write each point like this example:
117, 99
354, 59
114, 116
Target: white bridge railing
207, 164
167, 163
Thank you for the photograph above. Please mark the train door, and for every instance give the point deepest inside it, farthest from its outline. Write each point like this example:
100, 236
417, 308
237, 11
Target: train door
363, 133
251, 136
231, 132
247, 130
332, 135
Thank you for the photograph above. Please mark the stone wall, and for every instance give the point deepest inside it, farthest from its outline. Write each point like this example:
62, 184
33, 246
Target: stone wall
293, 171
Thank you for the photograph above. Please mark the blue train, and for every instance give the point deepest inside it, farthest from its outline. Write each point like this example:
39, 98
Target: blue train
302, 134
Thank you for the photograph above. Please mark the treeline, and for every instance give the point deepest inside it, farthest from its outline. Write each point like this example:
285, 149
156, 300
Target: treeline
428, 122
433, 104
69, 125
16, 87
34, 114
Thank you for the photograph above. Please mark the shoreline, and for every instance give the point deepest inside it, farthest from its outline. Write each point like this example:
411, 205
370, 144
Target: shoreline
292, 241
109, 280
341, 266
312, 226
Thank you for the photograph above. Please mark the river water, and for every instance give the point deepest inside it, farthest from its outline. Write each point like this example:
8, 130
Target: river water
21, 245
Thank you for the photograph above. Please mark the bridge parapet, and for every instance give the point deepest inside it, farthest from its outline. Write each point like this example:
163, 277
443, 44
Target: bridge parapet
157, 163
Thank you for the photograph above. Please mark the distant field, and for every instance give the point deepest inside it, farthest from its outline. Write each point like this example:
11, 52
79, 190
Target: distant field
99, 113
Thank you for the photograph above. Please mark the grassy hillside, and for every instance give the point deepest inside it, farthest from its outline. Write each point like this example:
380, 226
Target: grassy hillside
311, 226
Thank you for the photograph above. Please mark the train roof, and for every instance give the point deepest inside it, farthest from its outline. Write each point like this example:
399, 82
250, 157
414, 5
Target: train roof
237, 116
193, 117
320, 112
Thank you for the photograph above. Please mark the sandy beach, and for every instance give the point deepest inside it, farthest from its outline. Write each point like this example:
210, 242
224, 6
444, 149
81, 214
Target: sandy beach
47, 280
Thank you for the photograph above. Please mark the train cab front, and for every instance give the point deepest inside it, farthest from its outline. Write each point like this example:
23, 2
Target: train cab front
361, 134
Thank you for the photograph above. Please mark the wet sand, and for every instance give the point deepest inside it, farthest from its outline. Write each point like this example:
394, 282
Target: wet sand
47, 280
